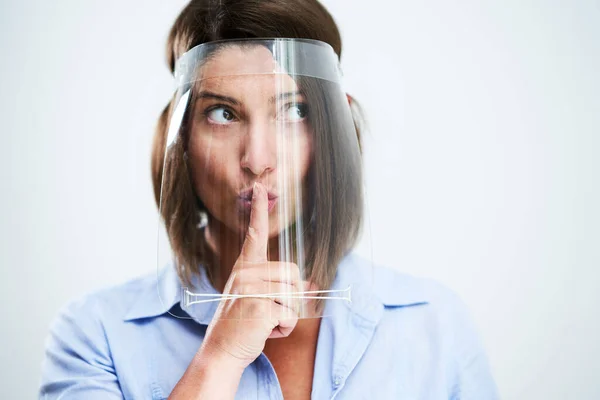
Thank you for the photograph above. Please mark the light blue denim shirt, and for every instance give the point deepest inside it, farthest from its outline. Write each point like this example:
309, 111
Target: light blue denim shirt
401, 337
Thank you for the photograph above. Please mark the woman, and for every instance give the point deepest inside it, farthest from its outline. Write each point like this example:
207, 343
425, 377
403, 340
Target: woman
256, 169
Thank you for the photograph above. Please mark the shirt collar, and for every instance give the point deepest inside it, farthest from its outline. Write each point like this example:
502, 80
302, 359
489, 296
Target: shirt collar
349, 326
157, 297
370, 288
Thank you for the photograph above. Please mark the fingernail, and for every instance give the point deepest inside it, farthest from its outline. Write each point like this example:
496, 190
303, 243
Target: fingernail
255, 190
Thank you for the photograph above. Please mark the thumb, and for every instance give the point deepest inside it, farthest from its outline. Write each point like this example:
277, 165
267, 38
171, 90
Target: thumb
254, 248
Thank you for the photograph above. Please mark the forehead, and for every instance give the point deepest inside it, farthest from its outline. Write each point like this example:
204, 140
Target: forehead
238, 60
245, 66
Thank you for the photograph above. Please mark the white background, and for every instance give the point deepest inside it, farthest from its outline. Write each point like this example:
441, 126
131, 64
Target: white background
481, 161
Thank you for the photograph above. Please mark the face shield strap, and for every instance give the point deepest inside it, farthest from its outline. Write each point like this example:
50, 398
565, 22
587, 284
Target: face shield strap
190, 298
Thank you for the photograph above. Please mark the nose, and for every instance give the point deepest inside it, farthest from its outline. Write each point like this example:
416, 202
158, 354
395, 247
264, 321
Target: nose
259, 148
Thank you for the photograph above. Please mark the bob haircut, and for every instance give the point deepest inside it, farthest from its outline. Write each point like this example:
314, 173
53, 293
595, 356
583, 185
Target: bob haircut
335, 174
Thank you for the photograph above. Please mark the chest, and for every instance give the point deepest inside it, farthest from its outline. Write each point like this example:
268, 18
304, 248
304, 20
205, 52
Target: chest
294, 364
391, 364
295, 374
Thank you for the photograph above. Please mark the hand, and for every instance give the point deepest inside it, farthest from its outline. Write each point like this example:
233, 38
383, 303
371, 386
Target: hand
241, 326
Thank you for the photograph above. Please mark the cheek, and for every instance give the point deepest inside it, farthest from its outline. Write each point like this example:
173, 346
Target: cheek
210, 163
304, 154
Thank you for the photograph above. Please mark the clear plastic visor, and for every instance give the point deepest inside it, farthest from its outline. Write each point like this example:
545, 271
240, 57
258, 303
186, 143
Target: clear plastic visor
261, 192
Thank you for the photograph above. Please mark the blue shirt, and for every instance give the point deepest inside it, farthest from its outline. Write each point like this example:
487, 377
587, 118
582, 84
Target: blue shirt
401, 337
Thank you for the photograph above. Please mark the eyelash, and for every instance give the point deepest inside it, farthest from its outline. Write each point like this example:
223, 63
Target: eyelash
210, 109
227, 108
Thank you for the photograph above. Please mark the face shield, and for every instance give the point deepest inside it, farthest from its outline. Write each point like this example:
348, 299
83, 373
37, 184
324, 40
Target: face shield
270, 112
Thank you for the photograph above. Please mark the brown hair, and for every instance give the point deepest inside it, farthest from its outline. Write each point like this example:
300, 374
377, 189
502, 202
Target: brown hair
336, 173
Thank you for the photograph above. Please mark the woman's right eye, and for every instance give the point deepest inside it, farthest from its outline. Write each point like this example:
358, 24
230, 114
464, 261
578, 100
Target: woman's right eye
220, 115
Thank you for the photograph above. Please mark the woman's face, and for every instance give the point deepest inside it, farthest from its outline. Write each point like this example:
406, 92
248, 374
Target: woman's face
249, 127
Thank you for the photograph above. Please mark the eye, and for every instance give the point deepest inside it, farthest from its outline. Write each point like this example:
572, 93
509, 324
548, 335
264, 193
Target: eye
220, 115
295, 112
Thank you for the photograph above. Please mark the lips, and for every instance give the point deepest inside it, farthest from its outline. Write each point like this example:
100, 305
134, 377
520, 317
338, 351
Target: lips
247, 195
245, 200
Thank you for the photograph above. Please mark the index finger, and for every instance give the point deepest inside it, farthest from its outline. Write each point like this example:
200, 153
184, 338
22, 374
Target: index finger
254, 248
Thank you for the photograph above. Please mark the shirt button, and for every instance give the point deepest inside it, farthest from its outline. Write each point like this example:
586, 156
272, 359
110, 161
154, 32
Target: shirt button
337, 381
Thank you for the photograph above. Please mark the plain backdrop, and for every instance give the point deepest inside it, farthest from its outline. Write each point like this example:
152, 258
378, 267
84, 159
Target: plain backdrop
481, 161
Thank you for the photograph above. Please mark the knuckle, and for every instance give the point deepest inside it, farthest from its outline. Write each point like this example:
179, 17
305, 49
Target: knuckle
236, 283
256, 308
241, 275
252, 235
294, 268
286, 332
245, 288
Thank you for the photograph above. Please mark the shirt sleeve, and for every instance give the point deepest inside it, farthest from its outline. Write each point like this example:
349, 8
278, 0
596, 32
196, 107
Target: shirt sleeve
473, 377
77, 363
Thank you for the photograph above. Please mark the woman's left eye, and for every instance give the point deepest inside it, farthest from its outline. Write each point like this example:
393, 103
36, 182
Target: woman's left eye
295, 112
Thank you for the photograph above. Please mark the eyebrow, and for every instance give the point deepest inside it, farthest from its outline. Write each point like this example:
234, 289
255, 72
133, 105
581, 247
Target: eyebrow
284, 96
210, 95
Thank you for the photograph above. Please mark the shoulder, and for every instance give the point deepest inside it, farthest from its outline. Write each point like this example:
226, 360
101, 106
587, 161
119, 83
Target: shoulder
415, 305
397, 289
79, 341
80, 333
425, 323
105, 305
